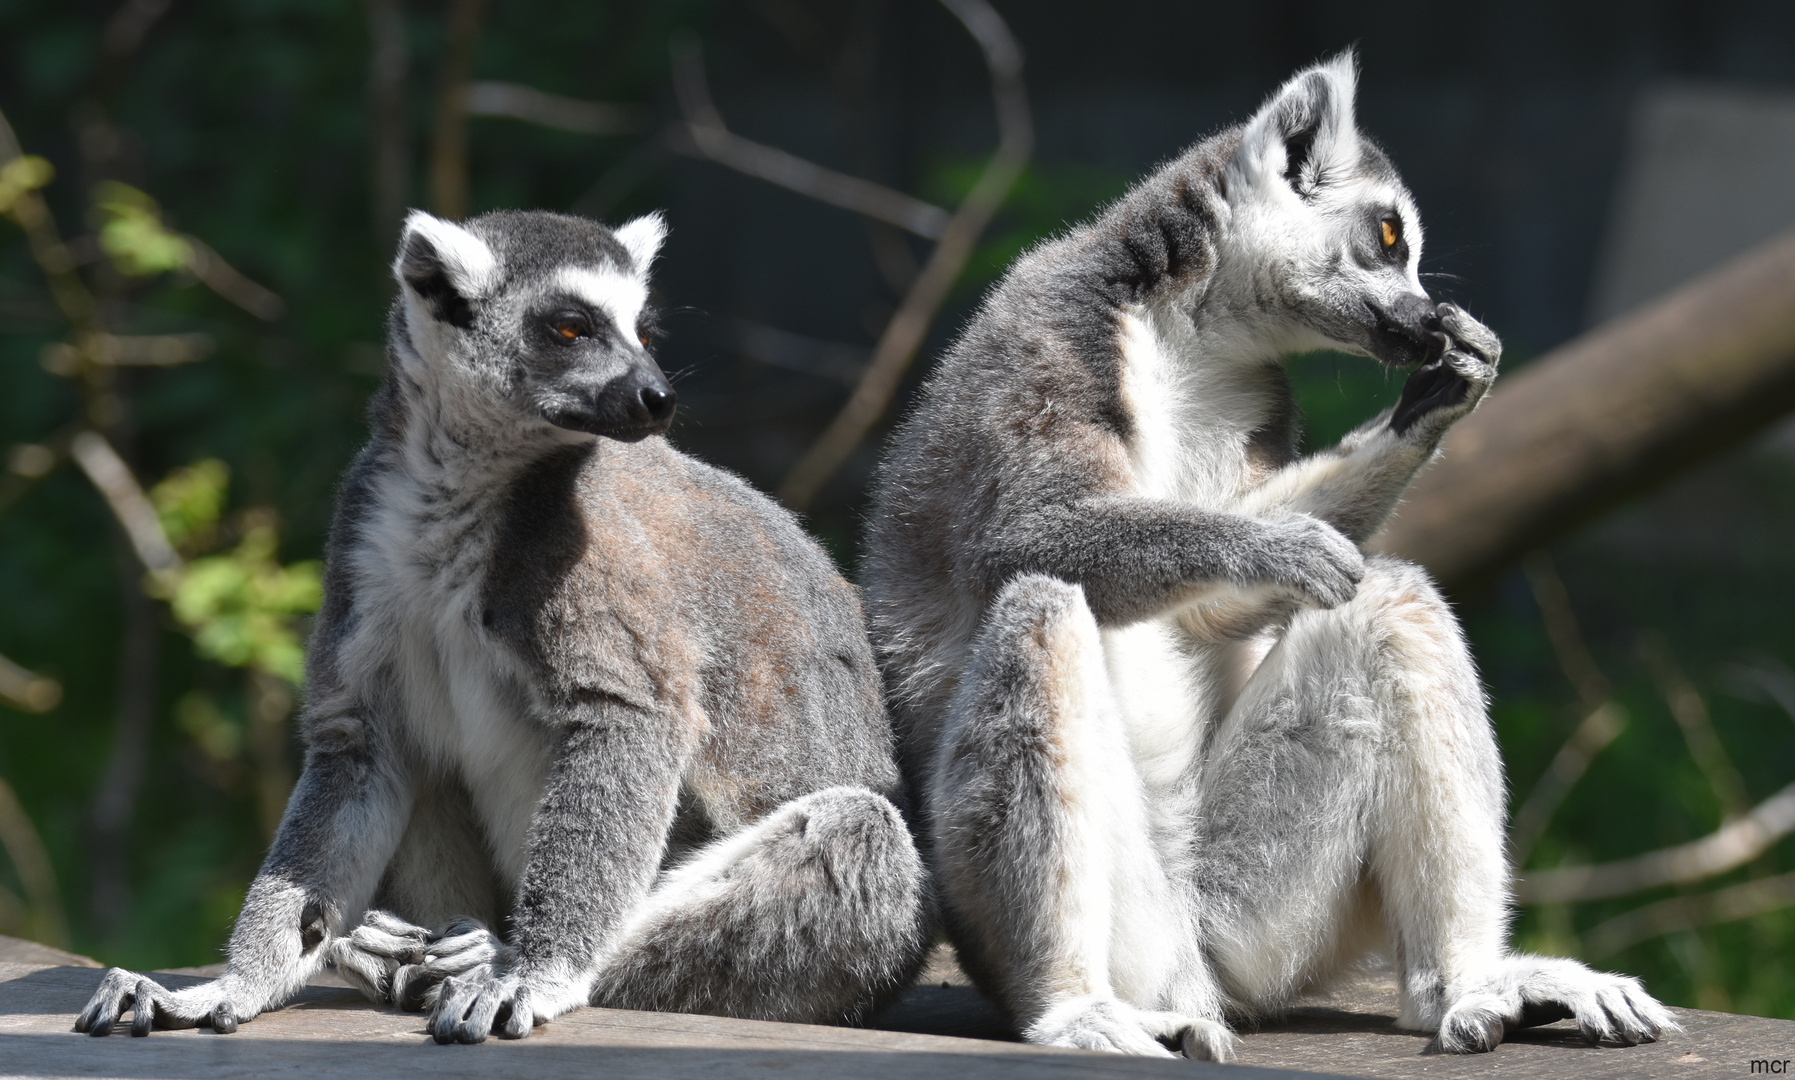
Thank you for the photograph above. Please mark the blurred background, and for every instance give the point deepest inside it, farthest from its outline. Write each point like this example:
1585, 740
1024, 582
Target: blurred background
193, 285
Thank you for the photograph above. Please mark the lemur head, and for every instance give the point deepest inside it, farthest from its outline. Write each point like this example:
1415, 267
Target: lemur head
1321, 224
537, 321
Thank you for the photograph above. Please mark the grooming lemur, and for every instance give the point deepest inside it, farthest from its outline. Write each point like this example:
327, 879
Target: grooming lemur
1182, 751
570, 681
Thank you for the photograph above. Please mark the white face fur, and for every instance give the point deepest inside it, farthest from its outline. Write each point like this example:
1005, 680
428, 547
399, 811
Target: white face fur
533, 319
1320, 232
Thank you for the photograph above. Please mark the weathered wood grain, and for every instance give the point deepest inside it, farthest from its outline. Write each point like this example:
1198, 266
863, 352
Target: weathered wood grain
334, 1032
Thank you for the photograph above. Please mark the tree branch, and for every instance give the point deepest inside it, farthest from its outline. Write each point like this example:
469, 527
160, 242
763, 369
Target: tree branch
516, 101
704, 135
1679, 913
26, 850
1691, 713
113, 479
904, 334
448, 151
26, 690
1732, 845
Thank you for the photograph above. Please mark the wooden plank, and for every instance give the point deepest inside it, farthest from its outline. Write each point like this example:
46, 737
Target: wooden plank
330, 1032
334, 1032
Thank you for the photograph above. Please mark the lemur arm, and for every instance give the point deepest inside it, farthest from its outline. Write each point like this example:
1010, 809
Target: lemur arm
1355, 486
594, 846
1138, 557
341, 827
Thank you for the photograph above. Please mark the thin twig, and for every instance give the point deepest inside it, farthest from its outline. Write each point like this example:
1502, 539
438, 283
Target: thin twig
1691, 712
1678, 913
26, 850
904, 334
448, 152
26, 690
516, 101
1732, 845
389, 62
229, 282
114, 480
705, 135
1603, 719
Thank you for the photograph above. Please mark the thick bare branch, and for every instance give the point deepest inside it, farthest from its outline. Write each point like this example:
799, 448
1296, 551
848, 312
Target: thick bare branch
1734, 844
114, 480
516, 101
1680, 913
908, 327
705, 135
1610, 415
127, 350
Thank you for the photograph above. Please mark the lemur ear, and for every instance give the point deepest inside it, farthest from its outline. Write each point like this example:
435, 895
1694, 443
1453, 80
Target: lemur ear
1305, 131
642, 239
445, 266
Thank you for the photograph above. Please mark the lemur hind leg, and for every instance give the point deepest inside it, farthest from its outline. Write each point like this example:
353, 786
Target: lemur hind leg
1052, 889
1358, 767
817, 913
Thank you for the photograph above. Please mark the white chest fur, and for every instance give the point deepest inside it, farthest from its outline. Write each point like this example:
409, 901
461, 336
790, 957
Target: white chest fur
465, 702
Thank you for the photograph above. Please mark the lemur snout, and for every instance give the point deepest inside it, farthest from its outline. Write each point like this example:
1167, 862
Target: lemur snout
1405, 329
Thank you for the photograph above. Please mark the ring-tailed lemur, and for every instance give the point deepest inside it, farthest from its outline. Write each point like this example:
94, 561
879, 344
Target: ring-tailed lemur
569, 680
1182, 751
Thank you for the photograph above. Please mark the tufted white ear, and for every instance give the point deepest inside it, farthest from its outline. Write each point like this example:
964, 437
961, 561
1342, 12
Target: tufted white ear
1305, 131
445, 265
642, 239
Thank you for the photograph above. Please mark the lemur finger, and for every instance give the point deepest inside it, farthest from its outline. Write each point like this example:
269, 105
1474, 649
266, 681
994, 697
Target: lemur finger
109, 1001
517, 1023
388, 923
1470, 333
477, 1024
466, 924
372, 975
1206, 1040
144, 1010
451, 956
455, 997
382, 942
224, 1018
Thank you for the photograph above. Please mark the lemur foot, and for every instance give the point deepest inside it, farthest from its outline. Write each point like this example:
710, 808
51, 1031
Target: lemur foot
1447, 387
1529, 991
1095, 1023
393, 962
153, 1005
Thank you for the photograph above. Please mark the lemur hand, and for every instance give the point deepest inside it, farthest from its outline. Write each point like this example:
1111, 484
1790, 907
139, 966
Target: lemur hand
506, 1003
1448, 386
395, 963
1310, 560
216, 1004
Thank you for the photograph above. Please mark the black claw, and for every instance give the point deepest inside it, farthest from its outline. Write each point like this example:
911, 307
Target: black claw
224, 1018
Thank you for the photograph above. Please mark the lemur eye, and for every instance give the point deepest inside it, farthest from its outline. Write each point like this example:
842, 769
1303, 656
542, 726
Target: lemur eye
571, 327
1392, 232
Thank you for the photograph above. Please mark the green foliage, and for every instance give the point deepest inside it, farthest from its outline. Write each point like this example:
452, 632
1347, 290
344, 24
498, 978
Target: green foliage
22, 174
131, 231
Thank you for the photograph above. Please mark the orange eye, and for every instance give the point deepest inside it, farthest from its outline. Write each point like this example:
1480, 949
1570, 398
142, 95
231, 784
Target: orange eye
1390, 234
570, 329
643, 338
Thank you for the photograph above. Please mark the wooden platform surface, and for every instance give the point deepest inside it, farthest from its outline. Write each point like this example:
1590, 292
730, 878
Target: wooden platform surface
936, 1032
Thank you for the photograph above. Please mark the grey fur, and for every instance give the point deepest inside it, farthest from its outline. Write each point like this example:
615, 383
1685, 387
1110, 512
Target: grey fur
586, 689
1183, 751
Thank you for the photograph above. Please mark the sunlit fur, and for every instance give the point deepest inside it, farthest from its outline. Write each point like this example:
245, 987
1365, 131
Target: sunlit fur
586, 689
1184, 752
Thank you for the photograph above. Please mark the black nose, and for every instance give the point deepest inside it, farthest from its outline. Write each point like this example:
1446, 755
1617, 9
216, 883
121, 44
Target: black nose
659, 401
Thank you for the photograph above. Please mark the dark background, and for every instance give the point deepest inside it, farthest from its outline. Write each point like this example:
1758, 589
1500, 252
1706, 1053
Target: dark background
249, 122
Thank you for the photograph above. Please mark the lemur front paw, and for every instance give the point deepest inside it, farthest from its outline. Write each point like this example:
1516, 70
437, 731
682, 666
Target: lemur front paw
1103, 1023
153, 1005
1311, 561
396, 963
470, 1007
1539, 990
1448, 386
